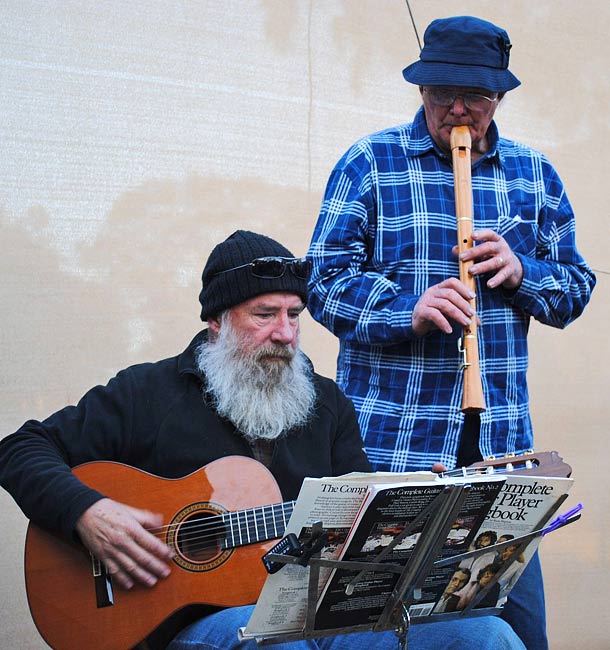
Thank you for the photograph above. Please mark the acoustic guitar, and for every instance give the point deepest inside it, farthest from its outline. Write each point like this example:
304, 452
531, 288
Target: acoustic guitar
220, 521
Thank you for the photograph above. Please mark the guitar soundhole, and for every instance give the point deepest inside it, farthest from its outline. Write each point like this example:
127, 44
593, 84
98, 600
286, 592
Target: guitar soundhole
197, 535
200, 536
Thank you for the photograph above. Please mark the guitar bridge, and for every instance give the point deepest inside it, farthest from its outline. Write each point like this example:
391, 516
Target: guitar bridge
104, 594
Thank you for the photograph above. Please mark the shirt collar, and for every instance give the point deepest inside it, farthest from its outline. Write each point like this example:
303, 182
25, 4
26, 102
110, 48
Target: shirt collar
187, 363
421, 142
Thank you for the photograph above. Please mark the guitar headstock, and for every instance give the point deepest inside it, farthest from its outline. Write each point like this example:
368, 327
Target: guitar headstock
538, 463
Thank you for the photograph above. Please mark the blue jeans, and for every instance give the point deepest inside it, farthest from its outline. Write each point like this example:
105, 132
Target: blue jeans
525, 611
219, 632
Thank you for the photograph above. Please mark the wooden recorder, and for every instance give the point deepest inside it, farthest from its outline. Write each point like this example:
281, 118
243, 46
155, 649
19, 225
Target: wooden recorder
473, 400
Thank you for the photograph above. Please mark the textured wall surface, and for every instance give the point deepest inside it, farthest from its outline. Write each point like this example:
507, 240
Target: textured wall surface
135, 136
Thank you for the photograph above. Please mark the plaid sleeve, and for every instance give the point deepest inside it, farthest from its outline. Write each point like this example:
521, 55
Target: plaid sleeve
349, 296
557, 283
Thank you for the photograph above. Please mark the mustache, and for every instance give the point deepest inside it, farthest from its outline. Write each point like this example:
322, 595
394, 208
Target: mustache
274, 350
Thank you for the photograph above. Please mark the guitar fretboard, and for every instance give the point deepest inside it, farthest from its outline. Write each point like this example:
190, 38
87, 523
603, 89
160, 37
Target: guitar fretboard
256, 524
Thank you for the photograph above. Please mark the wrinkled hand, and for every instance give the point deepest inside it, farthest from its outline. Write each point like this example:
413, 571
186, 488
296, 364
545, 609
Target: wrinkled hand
441, 303
492, 255
117, 535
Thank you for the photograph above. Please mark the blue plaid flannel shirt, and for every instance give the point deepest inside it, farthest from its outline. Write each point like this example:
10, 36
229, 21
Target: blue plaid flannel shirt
385, 234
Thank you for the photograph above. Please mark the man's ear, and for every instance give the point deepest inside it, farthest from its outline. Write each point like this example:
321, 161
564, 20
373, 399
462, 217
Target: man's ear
214, 324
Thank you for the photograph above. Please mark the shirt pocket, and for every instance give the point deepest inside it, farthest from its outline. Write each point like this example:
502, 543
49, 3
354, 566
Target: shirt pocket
520, 233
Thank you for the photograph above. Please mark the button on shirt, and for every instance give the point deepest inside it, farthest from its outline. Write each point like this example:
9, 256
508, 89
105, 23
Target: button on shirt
385, 234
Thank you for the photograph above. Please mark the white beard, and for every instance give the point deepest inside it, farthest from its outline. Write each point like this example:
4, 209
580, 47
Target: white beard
263, 398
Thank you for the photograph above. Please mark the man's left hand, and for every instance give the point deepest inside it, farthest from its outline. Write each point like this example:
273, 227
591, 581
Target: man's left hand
493, 256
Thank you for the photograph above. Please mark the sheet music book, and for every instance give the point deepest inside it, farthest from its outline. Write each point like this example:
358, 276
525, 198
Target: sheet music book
370, 522
524, 504
335, 501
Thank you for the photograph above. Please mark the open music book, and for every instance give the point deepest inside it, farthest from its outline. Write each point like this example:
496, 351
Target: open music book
283, 603
523, 505
414, 525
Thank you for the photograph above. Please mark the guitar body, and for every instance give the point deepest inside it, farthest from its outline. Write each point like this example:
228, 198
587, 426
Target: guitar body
61, 588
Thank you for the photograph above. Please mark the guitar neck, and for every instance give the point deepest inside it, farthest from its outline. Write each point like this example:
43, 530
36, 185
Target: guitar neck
544, 463
256, 524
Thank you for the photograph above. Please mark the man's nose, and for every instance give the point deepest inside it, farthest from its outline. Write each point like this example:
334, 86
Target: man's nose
285, 330
458, 107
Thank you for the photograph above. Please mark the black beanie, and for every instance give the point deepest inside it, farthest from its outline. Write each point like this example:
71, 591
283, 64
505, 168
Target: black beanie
226, 290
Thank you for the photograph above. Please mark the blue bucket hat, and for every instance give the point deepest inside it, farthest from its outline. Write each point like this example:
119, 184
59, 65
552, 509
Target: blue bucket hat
463, 51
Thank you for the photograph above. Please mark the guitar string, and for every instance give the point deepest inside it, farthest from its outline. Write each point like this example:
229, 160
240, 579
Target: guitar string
212, 527
481, 471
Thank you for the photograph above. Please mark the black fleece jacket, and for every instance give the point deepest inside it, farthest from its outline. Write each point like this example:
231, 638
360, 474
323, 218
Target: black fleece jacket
154, 416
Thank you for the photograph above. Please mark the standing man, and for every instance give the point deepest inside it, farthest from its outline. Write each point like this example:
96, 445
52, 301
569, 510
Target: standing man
241, 388
385, 270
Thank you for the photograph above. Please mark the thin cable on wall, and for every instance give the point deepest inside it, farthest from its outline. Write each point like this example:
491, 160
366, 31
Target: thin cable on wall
310, 100
414, 25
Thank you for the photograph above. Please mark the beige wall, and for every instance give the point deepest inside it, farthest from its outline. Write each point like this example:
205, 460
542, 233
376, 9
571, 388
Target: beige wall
136, 136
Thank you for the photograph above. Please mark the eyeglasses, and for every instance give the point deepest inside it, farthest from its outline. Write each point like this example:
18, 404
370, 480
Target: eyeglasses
472, 101
269, 268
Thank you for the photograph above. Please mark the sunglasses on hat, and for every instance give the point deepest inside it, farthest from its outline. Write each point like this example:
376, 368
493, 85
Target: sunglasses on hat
269, 268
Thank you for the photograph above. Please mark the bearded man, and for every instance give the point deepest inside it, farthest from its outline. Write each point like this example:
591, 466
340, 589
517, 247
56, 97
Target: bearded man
241, 388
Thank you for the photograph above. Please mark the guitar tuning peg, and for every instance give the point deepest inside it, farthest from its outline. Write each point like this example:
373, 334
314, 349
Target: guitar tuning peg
509, 467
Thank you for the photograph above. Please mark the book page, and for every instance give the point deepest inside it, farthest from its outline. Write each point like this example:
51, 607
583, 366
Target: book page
522, 506
336, 502
282, 605
386, 518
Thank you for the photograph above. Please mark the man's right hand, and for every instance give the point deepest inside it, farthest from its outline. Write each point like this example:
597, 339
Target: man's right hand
440, 304
120, 537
